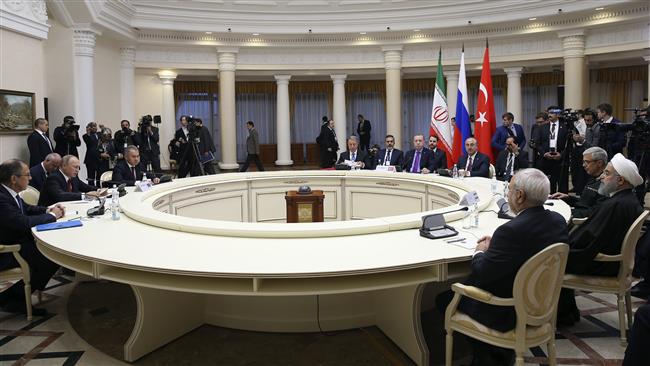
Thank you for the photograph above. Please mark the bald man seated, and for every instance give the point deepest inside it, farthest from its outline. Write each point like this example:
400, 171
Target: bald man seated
64, 184
39, 172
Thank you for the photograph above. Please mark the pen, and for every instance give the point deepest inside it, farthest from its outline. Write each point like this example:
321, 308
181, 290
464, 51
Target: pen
455, 240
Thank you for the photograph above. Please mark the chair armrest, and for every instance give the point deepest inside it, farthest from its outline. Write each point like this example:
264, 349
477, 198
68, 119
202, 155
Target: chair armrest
9, 248
481, 295
600, 257
578, 221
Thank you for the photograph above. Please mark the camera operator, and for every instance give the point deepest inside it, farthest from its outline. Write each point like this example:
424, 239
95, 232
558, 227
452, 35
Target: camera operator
578, 174
200, 152
125, 137
540, 119
611, 138
639, 147
106, 152
149, 146
549, 144
91, 138
67, 137
181, 138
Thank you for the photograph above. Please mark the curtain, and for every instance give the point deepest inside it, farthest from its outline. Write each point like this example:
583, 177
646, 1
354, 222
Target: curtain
203, 105
372, 105
416, 111
309, 108
536, 99
259, 108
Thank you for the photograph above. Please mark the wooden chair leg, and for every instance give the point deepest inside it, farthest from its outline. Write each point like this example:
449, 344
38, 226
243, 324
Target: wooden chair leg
621, 319
552, 360
519, 361
449, 348
28, 300
628, 309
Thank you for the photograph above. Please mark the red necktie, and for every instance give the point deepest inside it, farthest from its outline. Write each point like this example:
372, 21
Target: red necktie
70, 185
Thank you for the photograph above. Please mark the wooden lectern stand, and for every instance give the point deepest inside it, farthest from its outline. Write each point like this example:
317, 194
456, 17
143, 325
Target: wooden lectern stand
304, 207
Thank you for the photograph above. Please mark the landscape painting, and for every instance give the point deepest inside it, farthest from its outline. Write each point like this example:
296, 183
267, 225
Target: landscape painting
17, 111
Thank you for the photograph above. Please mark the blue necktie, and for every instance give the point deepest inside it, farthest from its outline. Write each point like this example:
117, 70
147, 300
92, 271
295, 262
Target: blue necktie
20, 204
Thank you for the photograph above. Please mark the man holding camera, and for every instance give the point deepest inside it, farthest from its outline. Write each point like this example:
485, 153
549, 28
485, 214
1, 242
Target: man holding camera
611, 138
67, 137
549, 144
149, 146
125, 137
106, 151
181, 138
91, 138
196, 148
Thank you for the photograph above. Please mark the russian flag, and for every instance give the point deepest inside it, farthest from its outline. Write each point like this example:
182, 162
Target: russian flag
462, 129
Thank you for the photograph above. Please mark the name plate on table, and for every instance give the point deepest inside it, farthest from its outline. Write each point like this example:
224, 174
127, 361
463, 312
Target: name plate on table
386, 168
143, 186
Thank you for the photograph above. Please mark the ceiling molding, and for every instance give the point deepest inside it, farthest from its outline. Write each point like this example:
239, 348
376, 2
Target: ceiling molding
28, 18
60, 12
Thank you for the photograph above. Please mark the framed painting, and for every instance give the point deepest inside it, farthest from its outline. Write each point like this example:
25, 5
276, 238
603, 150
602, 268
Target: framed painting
17, 111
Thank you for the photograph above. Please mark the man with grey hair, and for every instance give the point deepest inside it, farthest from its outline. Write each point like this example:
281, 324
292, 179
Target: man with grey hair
353, 154
594, 160
39, 172
497, 259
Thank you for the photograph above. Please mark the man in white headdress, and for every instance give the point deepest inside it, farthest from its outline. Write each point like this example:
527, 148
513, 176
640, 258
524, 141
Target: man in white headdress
604, 230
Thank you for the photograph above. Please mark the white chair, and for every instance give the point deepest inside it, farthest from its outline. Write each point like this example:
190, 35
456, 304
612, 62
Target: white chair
536, 291
619, 285
30, 195
18, 273
105, 177
492, 171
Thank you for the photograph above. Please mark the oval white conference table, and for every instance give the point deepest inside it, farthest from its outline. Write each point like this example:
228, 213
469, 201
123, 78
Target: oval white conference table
214, 250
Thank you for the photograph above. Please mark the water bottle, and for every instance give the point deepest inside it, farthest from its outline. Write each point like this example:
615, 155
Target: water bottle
495, 185
144, 177
115, 204
468, 219
454, 172
474, 215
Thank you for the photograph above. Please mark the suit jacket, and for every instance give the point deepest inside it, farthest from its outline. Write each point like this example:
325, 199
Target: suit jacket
439, 159
543, 138
64, 144
123, 174
153, 143
361, 156
520, 162
363, 130
38, 148
611, 138
39, 175
480, 165
502, 133
56, 189
396, 157
426, 160
588, 201
512, 244
16, 225
92, 155
253, 142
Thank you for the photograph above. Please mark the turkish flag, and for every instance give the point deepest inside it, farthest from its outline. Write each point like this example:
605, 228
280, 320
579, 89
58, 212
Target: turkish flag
486, 124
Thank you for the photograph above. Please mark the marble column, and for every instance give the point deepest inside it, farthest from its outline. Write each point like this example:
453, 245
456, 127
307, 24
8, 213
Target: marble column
283, 129
338, 112
514, 93
168, 115
647, 94
393, 66
127, 83
586, 85
452, 92
83, 41
573, 48
227, 58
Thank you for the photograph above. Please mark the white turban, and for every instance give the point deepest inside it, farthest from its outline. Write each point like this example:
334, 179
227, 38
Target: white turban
626, 169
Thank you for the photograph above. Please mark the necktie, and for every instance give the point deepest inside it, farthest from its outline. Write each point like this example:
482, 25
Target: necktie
469, 164
387, 160
20, 203
48, 142
416, 163
353, 156
509, 165
69, 185
133, 172
552, 131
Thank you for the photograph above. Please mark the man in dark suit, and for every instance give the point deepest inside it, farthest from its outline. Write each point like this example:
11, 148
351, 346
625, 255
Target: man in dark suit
439, 156
497, 259
550, 143
149, 143
252, 148
474, 164
390, 155
38, 143
64, 184
106, 151
181, 140
540, 120
125, 137
354, 156
67, 137
510, 160
363, 130
130, 170
419, 159
508, 129
611, 137
328, 144
91, 138
16, 221
40, 171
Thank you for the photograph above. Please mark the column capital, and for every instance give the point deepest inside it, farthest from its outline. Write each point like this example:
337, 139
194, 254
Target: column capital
227, 58
282, 79
392, 57
84, 38
571, 33
513, 72
646, 58
338, 78
127, 56
167, 77
573, 43
451, 75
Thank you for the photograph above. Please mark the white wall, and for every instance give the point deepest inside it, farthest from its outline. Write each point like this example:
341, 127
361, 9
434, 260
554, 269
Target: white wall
107, 83
148, 95
21, 60
59, 74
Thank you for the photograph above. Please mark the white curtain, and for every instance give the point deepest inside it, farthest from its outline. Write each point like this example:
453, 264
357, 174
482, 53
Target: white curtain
416, 111
204, 106
259, 108
536, 99
307, 114
371, 105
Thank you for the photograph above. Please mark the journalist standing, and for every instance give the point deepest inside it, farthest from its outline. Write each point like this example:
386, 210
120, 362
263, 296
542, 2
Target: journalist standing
252, 148
38, 143
124, 138
106, 151
91, 138
181, 139
67, 138
326, 140
149, 144
363, 130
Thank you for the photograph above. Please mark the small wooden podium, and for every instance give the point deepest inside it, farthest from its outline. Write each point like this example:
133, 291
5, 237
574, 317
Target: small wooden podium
306, 207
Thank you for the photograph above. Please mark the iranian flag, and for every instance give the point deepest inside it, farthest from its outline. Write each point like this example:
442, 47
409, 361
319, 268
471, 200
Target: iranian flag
486, 124
440, 124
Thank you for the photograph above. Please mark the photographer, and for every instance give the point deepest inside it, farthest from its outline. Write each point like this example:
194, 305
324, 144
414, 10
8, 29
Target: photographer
149, 147
125, 137
181, 138
66, 137
92, 155
199, 153
106, 152
550, 141
611, 138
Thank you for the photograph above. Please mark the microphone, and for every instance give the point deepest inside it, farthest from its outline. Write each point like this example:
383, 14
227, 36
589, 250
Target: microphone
99, 210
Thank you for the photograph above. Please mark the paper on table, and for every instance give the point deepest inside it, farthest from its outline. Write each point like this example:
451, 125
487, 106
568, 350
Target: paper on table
468, 243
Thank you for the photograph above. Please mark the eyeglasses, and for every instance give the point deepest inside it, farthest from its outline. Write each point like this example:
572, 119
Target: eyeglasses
587, 162
24, 175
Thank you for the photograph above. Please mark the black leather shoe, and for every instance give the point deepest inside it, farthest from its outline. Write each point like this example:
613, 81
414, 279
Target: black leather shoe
641, 290
18, 307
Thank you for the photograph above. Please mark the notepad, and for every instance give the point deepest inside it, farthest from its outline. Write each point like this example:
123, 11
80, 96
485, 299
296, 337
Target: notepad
58, 225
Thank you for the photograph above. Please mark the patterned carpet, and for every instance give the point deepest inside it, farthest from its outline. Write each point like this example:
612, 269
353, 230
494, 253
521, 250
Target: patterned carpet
52, 340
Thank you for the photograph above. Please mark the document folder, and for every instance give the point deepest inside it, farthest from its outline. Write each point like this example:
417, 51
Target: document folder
58, 225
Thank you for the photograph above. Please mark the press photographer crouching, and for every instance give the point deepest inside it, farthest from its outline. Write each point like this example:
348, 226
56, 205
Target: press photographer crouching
124, 138
67, 138
130, 170
149, 145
